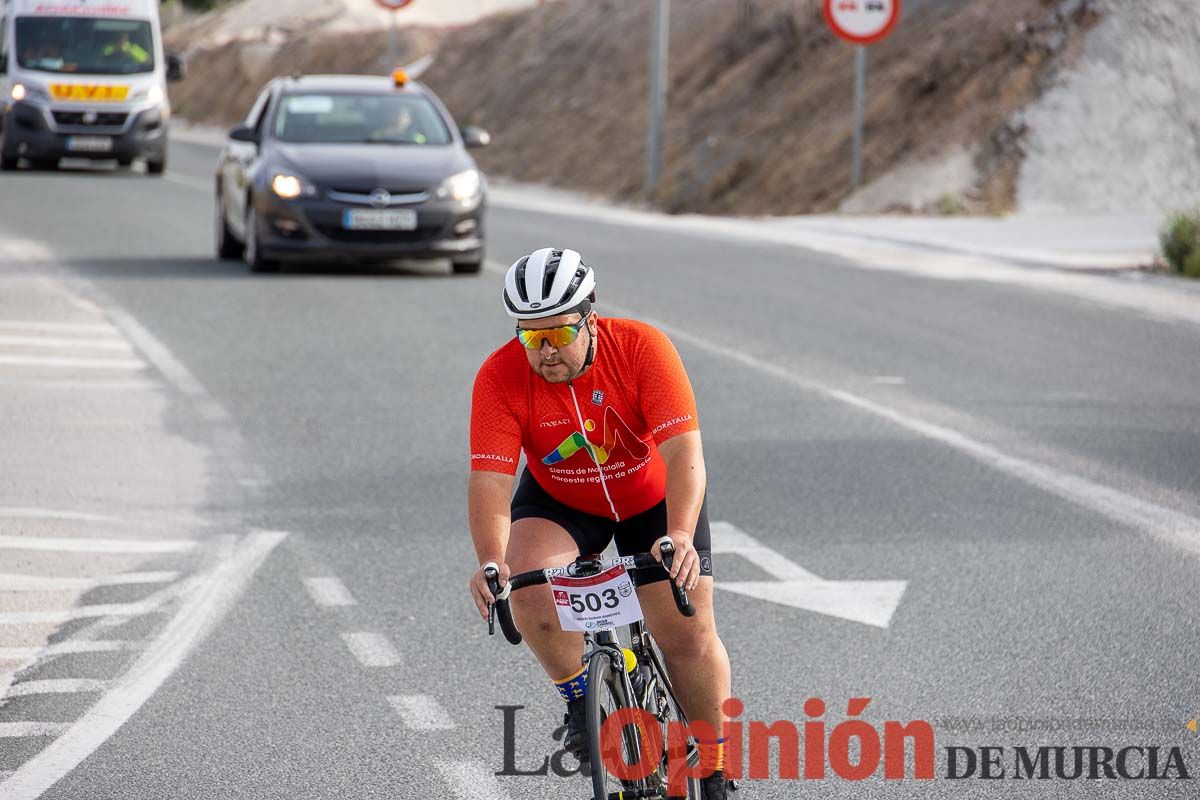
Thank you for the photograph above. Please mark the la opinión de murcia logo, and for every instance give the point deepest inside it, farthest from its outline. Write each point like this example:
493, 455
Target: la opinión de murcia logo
853, 749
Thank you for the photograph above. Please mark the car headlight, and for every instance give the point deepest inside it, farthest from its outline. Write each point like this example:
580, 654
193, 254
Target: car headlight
21, 91
155, 95
289, 187
462, 186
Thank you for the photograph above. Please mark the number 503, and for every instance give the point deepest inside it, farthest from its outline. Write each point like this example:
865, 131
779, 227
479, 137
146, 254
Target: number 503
594, 602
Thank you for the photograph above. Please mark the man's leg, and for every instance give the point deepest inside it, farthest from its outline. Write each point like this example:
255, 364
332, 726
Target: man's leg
536, 543
695, 655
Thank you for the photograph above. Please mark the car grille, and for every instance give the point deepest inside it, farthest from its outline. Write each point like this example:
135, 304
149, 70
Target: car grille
106, 119
339, 234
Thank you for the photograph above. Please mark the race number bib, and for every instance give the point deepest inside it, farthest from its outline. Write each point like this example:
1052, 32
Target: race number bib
600, 601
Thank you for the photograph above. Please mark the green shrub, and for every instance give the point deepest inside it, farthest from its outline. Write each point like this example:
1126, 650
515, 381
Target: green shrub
1180, 240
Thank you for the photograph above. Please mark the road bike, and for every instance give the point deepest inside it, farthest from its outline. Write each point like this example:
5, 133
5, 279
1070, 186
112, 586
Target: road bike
619, 677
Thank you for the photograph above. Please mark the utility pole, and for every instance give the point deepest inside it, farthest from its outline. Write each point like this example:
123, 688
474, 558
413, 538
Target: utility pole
658, 92
860, 90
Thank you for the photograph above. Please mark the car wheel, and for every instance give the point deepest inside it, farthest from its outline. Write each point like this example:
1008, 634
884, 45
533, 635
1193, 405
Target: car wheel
44, 164
227, 246
158, 167
252, 252
124, 163
469, 266
8, 163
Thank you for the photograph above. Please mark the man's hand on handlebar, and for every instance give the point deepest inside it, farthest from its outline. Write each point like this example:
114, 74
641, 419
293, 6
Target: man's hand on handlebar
479, 586
685, 566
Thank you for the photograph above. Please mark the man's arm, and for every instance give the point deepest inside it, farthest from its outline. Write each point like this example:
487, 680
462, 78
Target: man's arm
488, 514
686, 481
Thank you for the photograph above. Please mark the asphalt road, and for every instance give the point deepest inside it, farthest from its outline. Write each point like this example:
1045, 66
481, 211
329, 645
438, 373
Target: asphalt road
1028, 463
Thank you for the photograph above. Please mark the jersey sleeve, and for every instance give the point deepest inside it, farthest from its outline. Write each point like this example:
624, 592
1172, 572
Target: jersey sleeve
495, 428
668, 404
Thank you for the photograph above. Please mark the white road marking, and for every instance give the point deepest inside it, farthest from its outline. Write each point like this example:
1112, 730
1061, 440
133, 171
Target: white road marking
421, 712
199, 614
62, 648
471, 780
17, 512
57, 362
18, 730
69, 545
1172, 527
55, 686
372, 649
329, 592
868, 602
58, 615
38, 326
889, 380
40, 583
86, 344
174, 370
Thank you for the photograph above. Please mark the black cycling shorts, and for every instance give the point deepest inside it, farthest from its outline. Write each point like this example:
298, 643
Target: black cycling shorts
592, 533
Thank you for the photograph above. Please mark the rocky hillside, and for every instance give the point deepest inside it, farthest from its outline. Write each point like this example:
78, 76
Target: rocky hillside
760, 97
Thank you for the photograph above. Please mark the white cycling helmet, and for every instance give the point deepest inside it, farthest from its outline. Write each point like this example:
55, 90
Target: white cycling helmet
547, 283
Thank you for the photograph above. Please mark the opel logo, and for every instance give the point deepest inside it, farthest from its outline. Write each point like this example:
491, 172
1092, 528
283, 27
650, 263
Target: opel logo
90, 117
381, 198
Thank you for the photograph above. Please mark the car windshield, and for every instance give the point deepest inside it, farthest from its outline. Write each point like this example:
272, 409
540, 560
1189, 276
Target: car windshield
360, 118
85, 46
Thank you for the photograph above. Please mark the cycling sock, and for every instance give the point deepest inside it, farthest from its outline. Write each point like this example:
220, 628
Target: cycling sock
573, 687
719, 746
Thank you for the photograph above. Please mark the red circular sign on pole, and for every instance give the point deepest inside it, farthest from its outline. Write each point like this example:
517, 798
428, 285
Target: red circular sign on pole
393, 5
862, 21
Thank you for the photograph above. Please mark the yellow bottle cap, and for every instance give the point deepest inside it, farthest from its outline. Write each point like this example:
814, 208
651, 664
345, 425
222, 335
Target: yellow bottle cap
630, 659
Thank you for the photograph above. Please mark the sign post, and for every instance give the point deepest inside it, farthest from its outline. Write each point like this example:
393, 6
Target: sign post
393, 43
659, 39
862, 23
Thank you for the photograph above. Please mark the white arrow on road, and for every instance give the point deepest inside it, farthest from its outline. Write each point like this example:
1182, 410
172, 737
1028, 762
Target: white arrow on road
868, 602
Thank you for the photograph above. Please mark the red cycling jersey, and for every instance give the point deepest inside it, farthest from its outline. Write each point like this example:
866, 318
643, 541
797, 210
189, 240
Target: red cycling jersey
592, 443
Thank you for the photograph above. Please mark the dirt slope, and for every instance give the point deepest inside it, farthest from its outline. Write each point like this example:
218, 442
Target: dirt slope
760, 94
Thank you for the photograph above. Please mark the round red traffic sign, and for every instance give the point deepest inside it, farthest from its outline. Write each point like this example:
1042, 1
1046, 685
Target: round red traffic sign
862, 21
393, 5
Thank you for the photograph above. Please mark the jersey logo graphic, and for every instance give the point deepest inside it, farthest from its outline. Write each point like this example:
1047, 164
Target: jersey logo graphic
597, 397
615, 430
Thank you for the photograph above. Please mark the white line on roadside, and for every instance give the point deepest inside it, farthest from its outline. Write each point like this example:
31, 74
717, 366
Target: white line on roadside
172, 368
198, 615
10, 582
58, 615
1172, 527
58, 362
37, 326
117, 384
471, 780
85, 344
421, 712
19, 512
372, 649
55, 686
329, 592
63, 648
18, 730
66, 545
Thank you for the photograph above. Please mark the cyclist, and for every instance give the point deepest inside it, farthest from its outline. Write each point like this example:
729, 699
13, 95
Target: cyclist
605, 414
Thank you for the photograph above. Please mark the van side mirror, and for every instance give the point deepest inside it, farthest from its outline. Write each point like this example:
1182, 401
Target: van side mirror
243, 134
175, 68
475, 137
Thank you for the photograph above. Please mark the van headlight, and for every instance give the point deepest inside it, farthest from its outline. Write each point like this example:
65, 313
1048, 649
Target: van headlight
461, 187
289, 187
155, 95
23, 91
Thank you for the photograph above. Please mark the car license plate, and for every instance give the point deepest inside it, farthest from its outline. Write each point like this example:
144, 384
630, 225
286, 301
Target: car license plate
90, 144
403, 219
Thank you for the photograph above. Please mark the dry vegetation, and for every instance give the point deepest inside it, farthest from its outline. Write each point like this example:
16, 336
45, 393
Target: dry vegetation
760, 94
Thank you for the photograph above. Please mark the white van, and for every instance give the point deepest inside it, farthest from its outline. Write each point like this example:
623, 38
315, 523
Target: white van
83, 79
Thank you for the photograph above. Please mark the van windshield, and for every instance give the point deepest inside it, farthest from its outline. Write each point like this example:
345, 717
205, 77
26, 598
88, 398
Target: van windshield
84, 46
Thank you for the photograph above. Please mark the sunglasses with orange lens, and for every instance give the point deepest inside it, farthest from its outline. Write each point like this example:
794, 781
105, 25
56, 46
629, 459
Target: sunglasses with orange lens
558, 337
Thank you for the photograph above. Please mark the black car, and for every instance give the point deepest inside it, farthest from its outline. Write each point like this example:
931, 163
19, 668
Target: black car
350, 167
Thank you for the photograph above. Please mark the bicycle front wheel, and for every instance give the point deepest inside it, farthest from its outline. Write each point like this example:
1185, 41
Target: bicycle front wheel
606, 695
